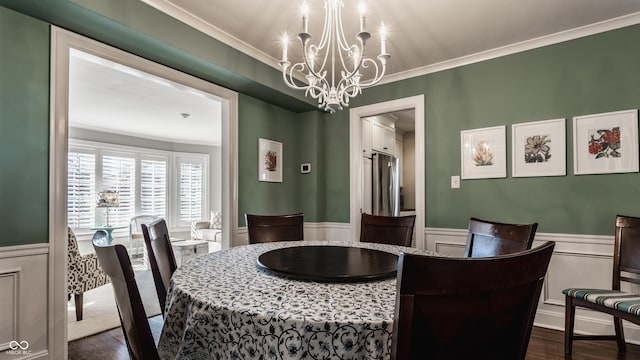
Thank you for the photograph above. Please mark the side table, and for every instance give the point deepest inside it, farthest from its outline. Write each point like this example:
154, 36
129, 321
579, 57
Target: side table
185, 250
109, 230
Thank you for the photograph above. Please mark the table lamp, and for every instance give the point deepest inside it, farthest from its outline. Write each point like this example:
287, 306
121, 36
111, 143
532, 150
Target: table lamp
107, 199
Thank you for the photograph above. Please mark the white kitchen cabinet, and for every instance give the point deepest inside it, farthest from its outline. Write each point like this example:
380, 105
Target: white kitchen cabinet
383, 138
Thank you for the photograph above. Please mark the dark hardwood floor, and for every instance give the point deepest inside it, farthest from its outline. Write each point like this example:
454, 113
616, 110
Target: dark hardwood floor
545, 344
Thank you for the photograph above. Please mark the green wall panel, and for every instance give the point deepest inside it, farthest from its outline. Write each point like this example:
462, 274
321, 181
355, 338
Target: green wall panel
24, 129
258, 119
594, 74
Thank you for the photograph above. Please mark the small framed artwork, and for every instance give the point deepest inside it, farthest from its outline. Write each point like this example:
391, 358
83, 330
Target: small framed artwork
483, 153
269, 160
606, 143
539, 148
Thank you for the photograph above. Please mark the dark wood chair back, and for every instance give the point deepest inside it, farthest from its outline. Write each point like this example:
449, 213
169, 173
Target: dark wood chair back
488, 238
394, 230
621, 304
271, 228
115, 261
161, 258
461, 308
626, 257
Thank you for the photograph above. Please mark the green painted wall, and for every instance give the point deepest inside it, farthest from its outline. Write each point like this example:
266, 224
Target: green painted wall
595, 74
258, 119
590, 75
24, 129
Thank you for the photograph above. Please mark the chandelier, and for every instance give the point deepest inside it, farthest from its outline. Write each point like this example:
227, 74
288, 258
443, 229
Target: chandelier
332, 67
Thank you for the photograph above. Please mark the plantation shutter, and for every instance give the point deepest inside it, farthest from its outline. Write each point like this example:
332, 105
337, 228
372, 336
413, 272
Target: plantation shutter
118, 173
81, 190
190, 191
153, 187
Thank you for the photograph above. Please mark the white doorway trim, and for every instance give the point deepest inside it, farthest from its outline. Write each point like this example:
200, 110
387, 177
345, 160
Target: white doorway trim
62, 42
355, 158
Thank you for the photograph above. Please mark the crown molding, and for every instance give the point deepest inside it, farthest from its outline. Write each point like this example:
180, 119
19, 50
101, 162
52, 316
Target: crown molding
167, 7
175, 11
572, 34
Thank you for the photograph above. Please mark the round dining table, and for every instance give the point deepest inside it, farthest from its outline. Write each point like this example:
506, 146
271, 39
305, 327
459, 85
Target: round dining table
224, 305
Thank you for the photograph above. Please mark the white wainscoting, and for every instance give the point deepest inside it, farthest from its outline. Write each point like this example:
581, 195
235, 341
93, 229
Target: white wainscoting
23, 295
577, 261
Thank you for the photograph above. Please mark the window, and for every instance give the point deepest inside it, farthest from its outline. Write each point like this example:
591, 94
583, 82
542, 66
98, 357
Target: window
190, 190
142, 178
153, 187
81, 189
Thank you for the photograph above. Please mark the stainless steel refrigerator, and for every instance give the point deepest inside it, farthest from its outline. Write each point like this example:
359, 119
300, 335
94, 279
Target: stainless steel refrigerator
386, 185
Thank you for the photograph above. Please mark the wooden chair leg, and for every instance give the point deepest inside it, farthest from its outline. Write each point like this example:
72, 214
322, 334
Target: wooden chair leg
78, 301
569, 322
617, 324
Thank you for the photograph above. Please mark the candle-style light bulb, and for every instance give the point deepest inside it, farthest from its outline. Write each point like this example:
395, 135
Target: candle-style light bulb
363, 11
383, 39
356, 58
285, 44
305, 17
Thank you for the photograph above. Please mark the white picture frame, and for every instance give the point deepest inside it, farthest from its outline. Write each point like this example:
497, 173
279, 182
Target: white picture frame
483, 153
539, 148
605, 143
270, 160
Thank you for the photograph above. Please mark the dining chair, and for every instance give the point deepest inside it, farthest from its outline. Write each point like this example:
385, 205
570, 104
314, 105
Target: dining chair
161, 257
622, 305
83, 271
115, 261
481, 308
393, 230
271, 228
488, 238
136, 239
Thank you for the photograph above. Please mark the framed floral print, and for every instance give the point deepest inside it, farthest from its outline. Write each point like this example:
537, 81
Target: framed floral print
539, 148
483, 153
605, 143
269, 160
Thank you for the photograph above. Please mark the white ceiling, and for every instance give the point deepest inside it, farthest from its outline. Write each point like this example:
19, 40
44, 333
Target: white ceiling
425, 36
113, 98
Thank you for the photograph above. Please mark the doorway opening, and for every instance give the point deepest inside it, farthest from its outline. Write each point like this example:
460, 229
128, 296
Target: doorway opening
392, 110
68, 48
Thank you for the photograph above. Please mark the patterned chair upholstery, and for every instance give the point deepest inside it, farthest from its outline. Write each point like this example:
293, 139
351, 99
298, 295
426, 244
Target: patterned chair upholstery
83, 273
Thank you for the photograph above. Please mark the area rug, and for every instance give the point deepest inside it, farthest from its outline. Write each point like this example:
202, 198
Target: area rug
100, 312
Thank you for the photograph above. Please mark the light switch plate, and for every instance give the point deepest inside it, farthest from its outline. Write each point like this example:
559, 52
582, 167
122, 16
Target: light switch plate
455, 182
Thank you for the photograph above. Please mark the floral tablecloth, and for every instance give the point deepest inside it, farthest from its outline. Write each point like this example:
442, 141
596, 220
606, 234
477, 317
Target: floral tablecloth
222, 306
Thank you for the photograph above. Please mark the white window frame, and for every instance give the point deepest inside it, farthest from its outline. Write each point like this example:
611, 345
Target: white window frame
172, 159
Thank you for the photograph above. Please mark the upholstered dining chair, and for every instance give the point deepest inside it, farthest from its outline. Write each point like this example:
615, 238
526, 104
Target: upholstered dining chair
83, 271
488, 238
271, 228
393, 230
115, 261
623, 305
482, 308
161, 257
